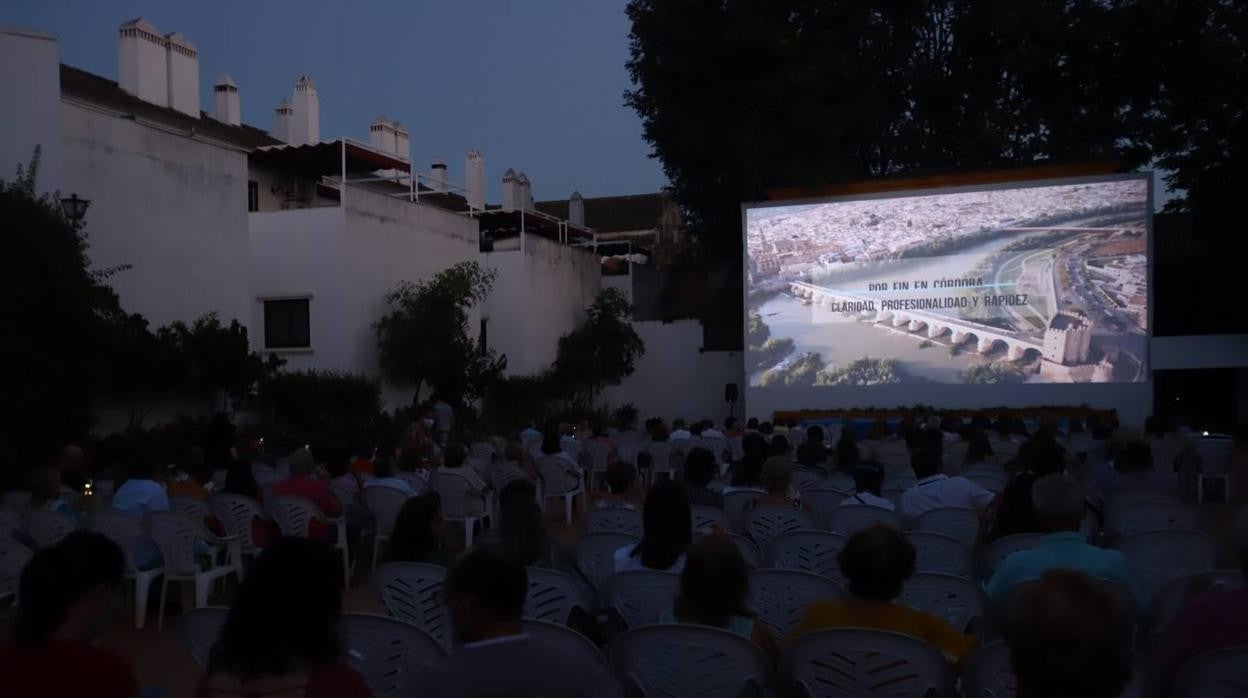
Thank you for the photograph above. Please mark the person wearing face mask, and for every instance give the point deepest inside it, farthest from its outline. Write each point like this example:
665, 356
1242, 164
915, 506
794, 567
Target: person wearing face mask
69, 594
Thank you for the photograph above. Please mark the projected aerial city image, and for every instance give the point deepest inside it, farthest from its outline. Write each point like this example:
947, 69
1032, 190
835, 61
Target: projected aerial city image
1021, 285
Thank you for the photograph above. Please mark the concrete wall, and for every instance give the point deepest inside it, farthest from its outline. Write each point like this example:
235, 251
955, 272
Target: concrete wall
30, 74
540, 294
172, 207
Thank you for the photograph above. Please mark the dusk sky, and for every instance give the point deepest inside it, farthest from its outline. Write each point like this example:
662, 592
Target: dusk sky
536, 85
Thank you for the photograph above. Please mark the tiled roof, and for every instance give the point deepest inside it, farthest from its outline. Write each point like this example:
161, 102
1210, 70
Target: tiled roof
612, 214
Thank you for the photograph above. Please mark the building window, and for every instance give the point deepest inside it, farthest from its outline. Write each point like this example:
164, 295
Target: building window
484, 336
286, 324
253, 196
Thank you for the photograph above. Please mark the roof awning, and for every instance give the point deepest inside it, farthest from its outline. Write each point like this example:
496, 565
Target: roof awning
499, 224
324, 159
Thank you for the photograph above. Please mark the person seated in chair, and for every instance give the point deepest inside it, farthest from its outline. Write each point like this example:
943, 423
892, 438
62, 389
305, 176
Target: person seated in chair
868, 479
667, 532
622, 492
935, 490
777, 480
699, 472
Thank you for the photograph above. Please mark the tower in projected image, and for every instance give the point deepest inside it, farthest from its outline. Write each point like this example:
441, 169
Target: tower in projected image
1068, 338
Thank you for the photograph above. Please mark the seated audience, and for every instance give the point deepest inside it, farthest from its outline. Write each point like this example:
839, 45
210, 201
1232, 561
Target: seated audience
680, 431
935, 490
302, 483
1209, 621
978, 451
621, 480
699, 471
751, 424
877, 561
767, 429
281, 635
812, 453
668, 529
847, 456
191, 477
746, 473
1037, 457
386, 475
362, 461
138, 496
1069, 638
777, 481
341, 474
715, 591
69, 594
417, 533
45, 493
1059, 506
521, 532
453, 463
868, 480
1136, 474
780, 446
485, 591
710, 432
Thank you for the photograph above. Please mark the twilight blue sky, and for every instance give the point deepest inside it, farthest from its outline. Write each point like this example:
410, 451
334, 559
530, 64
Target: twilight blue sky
536, 85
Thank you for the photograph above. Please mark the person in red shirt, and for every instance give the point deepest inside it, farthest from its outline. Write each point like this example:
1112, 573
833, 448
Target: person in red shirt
281, 635
69, 594
302, 483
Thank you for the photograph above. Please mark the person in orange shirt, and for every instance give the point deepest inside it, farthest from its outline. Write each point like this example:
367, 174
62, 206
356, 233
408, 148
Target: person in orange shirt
877, 561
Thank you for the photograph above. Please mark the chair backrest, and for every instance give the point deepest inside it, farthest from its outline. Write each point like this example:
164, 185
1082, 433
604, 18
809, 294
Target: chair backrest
660, 455
823, 500
553, 595
866, 663
1158, 557
749, 550
811, 551
960, 522
840, 483
706, 518
627, 450
735, 504
565, 642
47, 527
175, 534
16, 499
453, 491
554, 474
199, 629
599, 454
937, 552
1123, 500
805, 479
1215, 455
893, 494
293, 514
675, 661
640, 596
1218, 674
959, 601
1171, 597
483, 450
849, 520
996, 551
344, 496
385, 503
120, 528
10, 521
236, 512
989, 477
412, 592
1156, 515
419, 485
197, 509
503, 472
780, 597
13, 559
595, 553
614, 520
390, 654
763, 524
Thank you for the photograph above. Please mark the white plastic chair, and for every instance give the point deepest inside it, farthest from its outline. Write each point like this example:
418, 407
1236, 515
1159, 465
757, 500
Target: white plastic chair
989, 477
10, 521
735, 504
677, 661
412, 593
640, 596
780, 597
47, 528
901, 482
614, 520
565, 642
1215, 464
866, 664
840, 482
1158, 515
942, 554
482, 450
13, 559
175, 534
197, 509
390, 654
749, 550
16, 499
707, 518
555, 483
959, 601
824, 500
661, 459
805, 479
293, 515
126, 531
236, 513
385, 503
199, 629
996, 551
811, 551
595, 554
959, 522
1125, 500
454, 492
1159, 557
1218, 674
599, 458
552, 596
851, 519
763, 524
1171, 597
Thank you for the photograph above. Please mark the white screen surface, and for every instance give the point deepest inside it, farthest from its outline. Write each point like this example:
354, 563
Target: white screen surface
1011, 285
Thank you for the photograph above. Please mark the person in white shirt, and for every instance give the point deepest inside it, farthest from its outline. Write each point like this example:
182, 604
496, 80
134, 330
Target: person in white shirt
444, 418
868, 479
709, 431
667, 532
385, 475
679, 431
935, 490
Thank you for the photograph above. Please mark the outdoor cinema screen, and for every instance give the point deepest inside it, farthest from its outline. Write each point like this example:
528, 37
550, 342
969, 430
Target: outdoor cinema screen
1009, 284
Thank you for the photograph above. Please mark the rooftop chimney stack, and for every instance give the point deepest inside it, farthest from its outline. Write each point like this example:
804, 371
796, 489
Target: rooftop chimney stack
576, 210
142, 64
402, 141
283, 121
381, 135
474, 179
526, 192
183, 73
226, 107
306, 122
437, 172
511, 190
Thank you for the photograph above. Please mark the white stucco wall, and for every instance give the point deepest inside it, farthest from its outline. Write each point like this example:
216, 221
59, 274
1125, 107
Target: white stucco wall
172, 207
30, 112
540, 294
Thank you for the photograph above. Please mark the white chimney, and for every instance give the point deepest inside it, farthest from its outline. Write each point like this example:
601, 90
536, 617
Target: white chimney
511, 190
183, 72
305, 127
437, 173
225, 102
381, 135
142, 67
576, 210
402, 141
525, 192
474, 179
283, 121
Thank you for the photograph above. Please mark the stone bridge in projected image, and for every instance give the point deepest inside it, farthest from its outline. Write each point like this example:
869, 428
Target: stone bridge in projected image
914, 320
